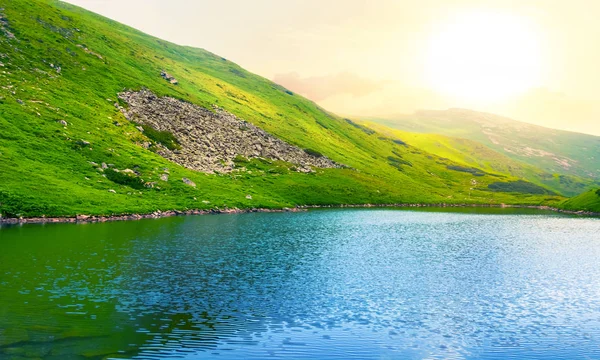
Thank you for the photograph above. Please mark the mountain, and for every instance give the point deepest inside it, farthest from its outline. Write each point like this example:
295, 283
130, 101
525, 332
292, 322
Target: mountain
99, 118
554, 151
475, 154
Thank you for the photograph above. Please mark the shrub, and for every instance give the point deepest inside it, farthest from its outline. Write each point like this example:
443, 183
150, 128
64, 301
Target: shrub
364, 129
472, 171
314, 153
397, 161
520, 186
164, 137
598, 192
124, 179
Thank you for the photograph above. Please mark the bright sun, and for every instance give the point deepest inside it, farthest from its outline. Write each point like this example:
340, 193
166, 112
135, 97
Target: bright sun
484, 57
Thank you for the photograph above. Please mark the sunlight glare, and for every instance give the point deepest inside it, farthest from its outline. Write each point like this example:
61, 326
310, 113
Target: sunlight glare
484, 56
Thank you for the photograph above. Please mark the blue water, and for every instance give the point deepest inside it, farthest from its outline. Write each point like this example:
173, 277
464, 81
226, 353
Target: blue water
335, 284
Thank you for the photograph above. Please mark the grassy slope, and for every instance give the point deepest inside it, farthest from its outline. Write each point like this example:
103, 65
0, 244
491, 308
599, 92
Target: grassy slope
475, 154
519, 141
588, 201
43, 171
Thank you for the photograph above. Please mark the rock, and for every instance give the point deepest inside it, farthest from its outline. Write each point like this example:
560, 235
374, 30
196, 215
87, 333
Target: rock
164, 177
83, 143
205, 201
112, 191
141, 129
211, 141
150, 185
188, 182
104, 166
63, 123
249, 197
169, 78
20, 101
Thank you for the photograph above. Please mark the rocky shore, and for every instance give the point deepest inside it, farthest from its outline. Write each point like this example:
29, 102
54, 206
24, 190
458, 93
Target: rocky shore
162, 214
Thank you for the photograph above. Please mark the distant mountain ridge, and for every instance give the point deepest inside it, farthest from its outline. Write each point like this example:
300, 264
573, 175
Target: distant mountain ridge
555, 151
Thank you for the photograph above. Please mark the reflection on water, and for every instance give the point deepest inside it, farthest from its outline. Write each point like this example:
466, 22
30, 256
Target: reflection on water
323, 284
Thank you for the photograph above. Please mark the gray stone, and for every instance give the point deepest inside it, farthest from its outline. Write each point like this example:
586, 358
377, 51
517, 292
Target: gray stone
164, 177
112, 191
210, 141
63, 123
188, 182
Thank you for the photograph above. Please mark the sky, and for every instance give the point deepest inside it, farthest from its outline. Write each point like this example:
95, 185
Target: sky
532, 60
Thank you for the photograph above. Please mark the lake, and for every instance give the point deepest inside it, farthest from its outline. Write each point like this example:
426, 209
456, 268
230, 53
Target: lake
325, 284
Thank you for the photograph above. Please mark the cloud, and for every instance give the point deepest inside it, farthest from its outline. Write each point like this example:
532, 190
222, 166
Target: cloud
319, 88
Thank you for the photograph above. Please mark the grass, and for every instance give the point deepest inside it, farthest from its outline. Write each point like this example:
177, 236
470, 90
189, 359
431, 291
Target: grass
549, 150
47, 168
588, 201
476, 155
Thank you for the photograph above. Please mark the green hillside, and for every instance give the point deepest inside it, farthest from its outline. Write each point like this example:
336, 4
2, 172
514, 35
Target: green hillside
554, 151
475, 154
61, 70
588, 201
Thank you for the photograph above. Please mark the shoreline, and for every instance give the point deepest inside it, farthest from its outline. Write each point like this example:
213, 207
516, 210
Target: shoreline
79, 219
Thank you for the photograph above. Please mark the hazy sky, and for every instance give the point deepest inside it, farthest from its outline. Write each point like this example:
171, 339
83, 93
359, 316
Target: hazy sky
532, 60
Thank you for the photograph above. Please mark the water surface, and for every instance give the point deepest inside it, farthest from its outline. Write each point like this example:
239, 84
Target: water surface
335, 284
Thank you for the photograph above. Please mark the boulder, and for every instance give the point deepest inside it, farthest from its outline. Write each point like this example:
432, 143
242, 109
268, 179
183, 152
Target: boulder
188, 182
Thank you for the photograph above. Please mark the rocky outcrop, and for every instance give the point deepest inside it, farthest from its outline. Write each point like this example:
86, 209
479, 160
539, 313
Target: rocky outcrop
165, 75
210, 141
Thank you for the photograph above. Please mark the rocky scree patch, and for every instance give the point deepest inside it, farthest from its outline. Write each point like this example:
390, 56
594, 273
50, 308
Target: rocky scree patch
210, 141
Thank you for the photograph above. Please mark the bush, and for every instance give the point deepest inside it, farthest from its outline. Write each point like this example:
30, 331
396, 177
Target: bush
164, 137
520, 186
472, 171
598, 192
124, 179
314, 153
364, 129
394, 161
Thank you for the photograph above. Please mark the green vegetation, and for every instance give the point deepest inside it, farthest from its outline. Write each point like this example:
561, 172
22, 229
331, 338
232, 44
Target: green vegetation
472, 171
124, 179
312, 152
475, 154
165, 138
549, 150
588, 201
519, 186
58, 87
